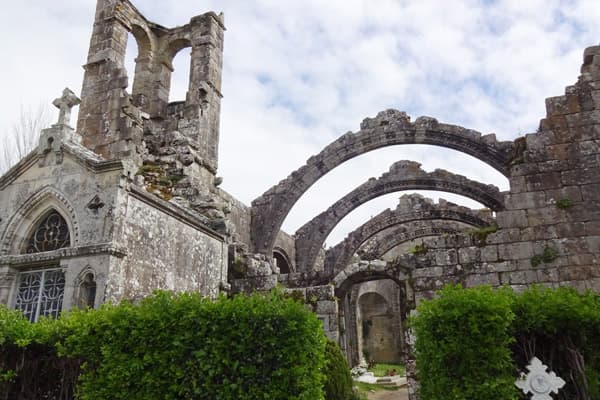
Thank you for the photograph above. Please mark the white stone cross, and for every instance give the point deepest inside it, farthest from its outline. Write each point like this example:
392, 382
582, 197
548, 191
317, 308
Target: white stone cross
65, 103
539, 382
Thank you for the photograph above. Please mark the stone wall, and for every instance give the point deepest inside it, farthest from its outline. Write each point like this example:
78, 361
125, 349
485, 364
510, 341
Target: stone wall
167, 248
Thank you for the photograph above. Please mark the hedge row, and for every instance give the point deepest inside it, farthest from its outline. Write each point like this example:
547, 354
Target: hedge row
472, 343
169, 346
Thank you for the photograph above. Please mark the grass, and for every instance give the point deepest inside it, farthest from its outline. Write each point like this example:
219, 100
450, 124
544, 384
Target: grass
373, 387
381, 369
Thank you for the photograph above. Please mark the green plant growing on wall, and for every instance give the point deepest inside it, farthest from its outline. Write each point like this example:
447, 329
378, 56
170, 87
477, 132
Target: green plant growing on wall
418, 249
564, 203
550, 254
480, 235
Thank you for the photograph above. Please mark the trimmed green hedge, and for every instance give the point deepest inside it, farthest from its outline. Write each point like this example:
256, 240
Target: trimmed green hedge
472, 343
338, 381
177, 346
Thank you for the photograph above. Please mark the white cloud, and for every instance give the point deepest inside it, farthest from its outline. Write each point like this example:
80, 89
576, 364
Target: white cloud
298, 74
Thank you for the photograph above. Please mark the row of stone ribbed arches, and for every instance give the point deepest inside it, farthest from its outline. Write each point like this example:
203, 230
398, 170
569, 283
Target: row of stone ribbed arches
375, 297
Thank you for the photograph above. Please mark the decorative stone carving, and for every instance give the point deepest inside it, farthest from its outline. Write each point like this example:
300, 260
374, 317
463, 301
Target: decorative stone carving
539, 382
65, 103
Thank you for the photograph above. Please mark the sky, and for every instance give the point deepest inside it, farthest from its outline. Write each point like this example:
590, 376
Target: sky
299, 73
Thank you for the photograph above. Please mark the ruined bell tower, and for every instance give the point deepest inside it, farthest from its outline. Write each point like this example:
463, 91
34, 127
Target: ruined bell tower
121, 125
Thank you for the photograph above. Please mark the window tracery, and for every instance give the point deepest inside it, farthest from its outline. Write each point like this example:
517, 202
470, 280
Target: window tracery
51, 233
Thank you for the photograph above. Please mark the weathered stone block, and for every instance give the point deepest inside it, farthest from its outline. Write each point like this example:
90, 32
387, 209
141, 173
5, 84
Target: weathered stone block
469, 255
519, 277
547, 275
326, 307
428, 272
543, 181
520, 201
489, 253
482, 279
501, 266
512, 219
515, 251
320, 293
545, 216
591, 192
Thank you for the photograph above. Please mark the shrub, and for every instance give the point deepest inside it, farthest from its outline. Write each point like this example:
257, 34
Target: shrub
462, 345
338, 382
173, 346
562, 328
471, 343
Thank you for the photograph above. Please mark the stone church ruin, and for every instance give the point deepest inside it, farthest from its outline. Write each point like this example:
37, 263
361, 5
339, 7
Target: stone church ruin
129, 200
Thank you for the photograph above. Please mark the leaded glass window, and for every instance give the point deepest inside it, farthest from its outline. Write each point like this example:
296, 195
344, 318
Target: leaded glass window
52, 233
40, 293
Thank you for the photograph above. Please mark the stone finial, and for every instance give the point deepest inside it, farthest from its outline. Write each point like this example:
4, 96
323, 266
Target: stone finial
538, 382
65, 103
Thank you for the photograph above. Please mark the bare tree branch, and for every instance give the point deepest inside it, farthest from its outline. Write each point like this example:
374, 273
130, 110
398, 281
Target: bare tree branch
24, 135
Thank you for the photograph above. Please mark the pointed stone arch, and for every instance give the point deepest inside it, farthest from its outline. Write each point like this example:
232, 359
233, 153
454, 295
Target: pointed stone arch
402, 175
39, 204
389, 128
411, 208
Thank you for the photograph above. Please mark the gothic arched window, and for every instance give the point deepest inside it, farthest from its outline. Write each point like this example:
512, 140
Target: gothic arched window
51, 233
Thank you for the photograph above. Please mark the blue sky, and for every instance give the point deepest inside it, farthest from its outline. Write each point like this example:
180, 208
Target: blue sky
299, 73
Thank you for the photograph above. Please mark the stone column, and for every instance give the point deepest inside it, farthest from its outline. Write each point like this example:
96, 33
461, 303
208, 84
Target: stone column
104, 80
203, 101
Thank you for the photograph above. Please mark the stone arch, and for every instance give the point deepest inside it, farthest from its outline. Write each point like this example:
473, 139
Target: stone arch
411, 208
402, 175
145, 40
142, 76
282, 260
378, 246
390, 127
175, 46
346, 289
21, 222
365, 271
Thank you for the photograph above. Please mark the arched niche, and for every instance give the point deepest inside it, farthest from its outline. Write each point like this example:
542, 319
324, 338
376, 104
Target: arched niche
282, 260
86, 289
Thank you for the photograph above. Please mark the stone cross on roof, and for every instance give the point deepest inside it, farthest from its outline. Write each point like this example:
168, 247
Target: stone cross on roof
65, 103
